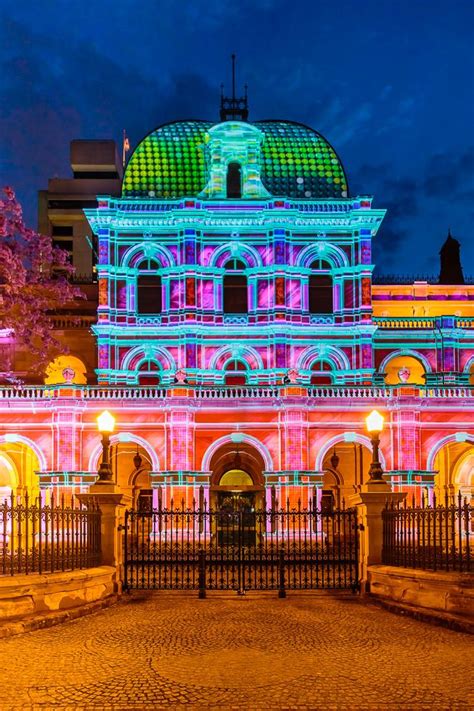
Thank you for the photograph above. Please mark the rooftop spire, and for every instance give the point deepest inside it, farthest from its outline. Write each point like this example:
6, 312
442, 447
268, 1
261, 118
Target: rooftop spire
234, 108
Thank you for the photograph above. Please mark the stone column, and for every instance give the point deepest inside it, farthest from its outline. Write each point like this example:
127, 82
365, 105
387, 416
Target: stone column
370, 502
112, 503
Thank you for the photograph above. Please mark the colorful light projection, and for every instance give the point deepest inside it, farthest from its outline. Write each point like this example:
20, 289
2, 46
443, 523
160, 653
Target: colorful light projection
296, 162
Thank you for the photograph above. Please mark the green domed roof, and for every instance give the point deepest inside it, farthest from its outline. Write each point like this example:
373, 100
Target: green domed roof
297, 162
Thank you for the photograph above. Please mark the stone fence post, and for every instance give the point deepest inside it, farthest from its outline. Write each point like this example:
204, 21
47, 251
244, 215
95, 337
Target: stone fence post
370, 502
112, 503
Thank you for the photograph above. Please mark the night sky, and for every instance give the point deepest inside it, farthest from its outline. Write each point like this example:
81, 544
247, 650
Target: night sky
388, 82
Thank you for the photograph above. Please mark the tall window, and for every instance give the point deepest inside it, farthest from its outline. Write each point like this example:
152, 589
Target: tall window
320, 289
149, 297
235, 288
234, 180
235, 372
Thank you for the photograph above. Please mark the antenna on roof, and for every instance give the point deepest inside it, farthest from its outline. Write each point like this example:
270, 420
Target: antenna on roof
234, 108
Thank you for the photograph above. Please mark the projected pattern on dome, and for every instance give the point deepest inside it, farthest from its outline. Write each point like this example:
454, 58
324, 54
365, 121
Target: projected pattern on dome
296, 162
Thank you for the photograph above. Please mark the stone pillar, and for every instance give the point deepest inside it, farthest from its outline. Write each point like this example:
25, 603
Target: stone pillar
370, 502
112, 504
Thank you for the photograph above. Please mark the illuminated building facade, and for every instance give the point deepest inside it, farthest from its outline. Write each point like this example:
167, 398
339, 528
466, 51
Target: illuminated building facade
240, 340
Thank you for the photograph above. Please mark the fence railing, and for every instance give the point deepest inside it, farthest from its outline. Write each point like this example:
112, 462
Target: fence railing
429, 537
237, 547
38, 538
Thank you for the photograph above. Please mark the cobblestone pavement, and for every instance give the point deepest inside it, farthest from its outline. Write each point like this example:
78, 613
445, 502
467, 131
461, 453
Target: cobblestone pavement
255, 652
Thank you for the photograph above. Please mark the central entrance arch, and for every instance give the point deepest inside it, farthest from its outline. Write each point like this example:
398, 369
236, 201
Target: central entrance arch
237, 490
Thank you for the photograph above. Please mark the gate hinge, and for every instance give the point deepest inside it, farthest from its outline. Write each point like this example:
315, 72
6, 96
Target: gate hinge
360, 527
122, 527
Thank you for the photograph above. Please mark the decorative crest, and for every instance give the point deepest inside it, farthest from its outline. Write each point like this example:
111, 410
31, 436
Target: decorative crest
233, 108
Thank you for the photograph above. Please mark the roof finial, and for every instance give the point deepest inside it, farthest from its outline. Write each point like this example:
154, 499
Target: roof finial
234, 108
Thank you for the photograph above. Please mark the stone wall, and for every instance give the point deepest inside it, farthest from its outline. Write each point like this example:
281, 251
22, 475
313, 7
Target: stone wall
442, 592
39, 594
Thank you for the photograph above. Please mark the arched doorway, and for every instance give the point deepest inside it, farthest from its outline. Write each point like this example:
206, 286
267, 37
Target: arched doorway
454, 464
237, 491
131, 466
8, 479
346, 467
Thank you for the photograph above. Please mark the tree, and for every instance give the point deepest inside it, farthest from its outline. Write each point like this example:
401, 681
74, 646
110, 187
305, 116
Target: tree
34, 285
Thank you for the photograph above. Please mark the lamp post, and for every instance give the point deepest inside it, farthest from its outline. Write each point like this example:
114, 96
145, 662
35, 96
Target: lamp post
106, 424
374, 423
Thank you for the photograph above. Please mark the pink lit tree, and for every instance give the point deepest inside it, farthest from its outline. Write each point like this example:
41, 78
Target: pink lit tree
34, 286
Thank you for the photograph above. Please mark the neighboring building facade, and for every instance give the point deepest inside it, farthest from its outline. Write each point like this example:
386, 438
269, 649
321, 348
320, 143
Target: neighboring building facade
240, 340
97, 169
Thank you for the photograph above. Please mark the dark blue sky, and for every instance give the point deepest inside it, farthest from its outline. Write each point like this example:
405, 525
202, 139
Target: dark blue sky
388, 82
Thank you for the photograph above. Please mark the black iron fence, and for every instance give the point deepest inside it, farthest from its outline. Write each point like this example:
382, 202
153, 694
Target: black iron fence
214, 549
430, 537
38, 538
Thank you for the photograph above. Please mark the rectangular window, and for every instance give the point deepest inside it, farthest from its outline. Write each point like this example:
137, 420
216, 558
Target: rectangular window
235, 295
149, 299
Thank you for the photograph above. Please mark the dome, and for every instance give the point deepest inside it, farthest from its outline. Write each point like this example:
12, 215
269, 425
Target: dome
296, 162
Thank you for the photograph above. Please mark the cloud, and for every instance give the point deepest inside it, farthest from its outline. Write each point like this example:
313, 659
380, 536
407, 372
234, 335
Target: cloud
451, 176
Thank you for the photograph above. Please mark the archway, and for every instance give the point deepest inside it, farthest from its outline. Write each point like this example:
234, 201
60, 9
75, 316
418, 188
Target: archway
66, 369
454, 463
8, 478
346, 467
237, 476
237, 492
20, 459
404, 368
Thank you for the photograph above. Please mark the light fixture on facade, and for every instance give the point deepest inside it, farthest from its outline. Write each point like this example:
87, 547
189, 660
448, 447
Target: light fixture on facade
374, 422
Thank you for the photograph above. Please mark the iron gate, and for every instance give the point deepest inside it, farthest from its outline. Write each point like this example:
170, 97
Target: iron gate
209, 549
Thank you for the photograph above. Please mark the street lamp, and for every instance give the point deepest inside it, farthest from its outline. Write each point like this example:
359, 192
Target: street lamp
374, 423
106, 424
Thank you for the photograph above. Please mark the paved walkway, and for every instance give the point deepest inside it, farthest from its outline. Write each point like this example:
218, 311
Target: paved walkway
253, 653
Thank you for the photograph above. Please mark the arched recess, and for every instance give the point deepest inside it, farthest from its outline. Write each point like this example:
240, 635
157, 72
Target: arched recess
241, 352
149, 289
235, 288
464, 477
337, 358
323, 250
23, 458
452, 458
405, 366
66, 369
137, 355
320, 288
16, 438
469, 368
147, 251
235, 372
322, 372
237, 250
345, 437
122, 437
234, 439
149, 372
234, 180
9, 479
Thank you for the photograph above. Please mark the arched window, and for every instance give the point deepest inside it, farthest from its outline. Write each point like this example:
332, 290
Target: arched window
235, 288
234, 180
321, 373
149, 373
235, 372
320, 299
149, 297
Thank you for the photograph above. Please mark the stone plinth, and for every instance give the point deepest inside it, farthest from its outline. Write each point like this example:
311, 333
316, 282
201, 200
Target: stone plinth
370, 503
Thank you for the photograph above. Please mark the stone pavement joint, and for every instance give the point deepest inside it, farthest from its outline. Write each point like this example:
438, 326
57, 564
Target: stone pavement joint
162, 650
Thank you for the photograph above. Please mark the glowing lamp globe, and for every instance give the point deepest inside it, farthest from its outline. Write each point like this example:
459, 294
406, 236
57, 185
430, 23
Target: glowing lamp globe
106, 422
374, 421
